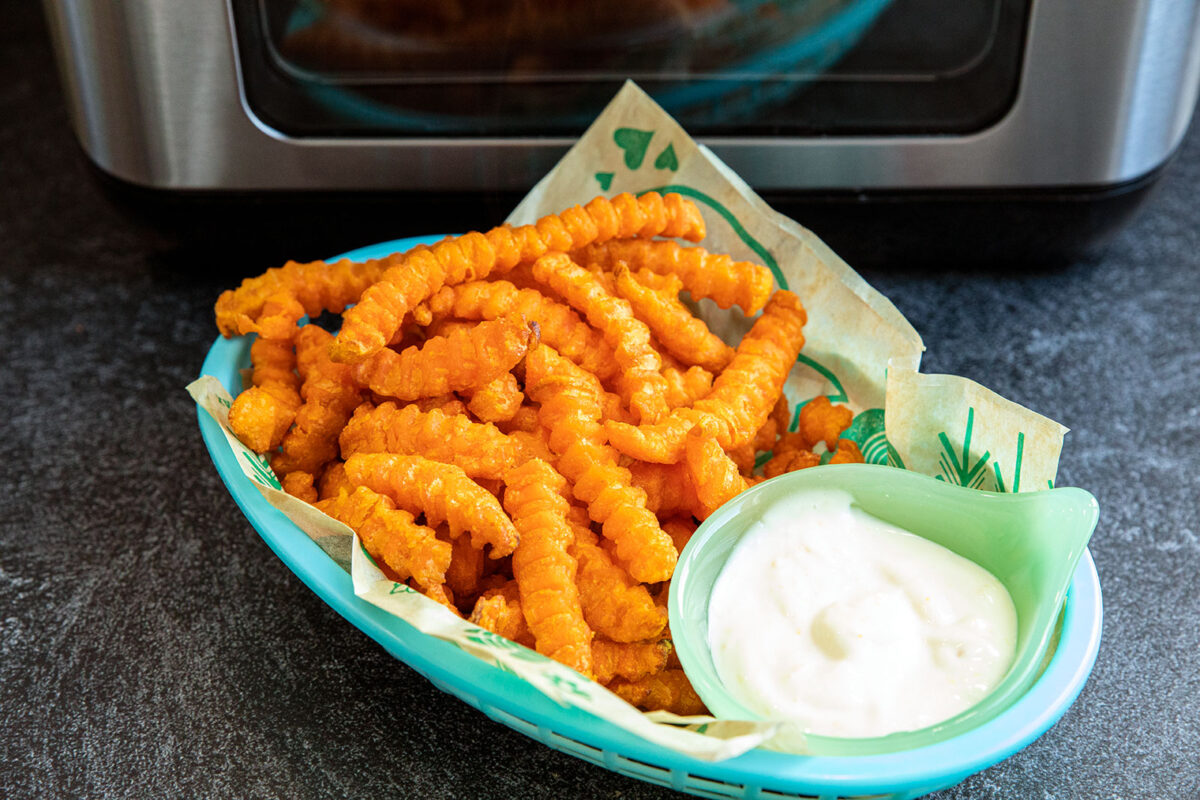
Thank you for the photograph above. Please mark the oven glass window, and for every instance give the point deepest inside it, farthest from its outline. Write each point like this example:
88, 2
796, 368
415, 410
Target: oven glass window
481, 68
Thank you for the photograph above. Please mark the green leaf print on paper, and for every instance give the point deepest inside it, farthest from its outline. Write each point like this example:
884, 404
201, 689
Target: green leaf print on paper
958, 469
1016, 482
482, 636
564, 683
667, 159
867, 431
605, 180
262, 470
634, 142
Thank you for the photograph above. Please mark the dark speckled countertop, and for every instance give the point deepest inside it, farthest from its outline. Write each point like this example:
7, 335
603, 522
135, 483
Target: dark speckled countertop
152, 646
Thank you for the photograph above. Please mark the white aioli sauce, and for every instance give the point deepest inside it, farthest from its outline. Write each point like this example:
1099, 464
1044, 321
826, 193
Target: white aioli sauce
829, 616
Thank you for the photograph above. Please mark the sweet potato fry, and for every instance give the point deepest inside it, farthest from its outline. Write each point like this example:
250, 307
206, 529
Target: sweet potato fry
544, 569
742, 396
262, 414
466, 359
705, 275
391, 535
442, 492
370, 324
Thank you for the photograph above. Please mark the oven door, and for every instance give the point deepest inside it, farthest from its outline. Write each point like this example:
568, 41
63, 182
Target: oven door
796, 95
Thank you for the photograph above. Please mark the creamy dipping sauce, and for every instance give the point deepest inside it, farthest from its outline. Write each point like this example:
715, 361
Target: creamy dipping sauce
829, 616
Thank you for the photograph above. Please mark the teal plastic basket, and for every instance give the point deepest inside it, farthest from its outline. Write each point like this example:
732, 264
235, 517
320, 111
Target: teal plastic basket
756, 774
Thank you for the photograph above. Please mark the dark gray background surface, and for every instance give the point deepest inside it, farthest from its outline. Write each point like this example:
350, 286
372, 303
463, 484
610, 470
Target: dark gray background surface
152, 646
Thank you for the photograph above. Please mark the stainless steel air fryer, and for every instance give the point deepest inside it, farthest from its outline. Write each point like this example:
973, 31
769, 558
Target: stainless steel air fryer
848, 101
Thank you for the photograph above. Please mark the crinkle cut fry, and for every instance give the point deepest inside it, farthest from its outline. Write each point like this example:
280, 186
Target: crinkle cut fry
668, 487
370, 324
300, 485
499, 611
571, 407
680, 333
614, 604
466, 567
790, 460
442, 492
705, 275
669, 690
478, 449
497, 401
391, 535
561, 327
614, 317
330, 396
463, 360
262, 414
312, 287
630, 661
742, 396
822, 421
714, 474
686, 386
543, 566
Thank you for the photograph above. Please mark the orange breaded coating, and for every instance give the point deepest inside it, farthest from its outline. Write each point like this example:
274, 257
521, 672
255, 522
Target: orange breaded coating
310, 287
714, 474
742, 396
681, 333
499, 611
370, 324
300, 484
443, 492
333, 481
630, 661
821, 421
717, 277
628, 336
614, 604
262, 414
496, 401
466, 567
330, 397
668, 690
776, 424
847, 453
478, 449
668, 487
561, 327
391, 535
543, 566
790, 460
525, 421
686, 386
448, 403
680, 529
466, 359
571, 408
743, 457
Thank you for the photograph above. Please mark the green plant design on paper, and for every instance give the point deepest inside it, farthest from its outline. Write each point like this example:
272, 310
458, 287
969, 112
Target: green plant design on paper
486, 638
868, 432
634, 143
570, 686
262, 470
399, 588
1016, 481
956, 466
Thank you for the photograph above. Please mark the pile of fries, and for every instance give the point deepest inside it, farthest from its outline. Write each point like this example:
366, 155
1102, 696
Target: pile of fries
527, 424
